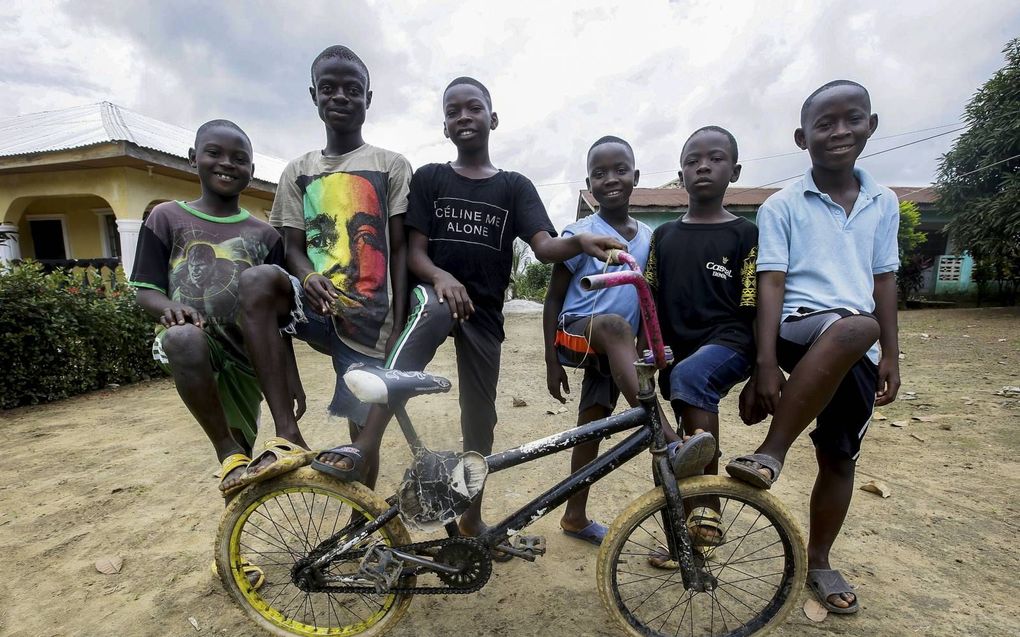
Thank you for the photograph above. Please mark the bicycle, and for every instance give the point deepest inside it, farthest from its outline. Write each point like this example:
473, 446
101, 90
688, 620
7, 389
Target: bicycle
339, 560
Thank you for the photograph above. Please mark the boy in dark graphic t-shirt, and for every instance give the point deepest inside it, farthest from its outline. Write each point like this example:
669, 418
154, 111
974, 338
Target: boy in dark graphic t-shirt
189, 262
463, 217
701, 271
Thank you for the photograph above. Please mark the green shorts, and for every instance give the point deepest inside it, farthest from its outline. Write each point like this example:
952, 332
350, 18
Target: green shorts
239, 390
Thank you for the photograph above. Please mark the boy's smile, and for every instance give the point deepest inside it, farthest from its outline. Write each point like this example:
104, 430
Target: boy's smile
611, 174
836, 127
468, 116
223, 158
341, 94
707, 166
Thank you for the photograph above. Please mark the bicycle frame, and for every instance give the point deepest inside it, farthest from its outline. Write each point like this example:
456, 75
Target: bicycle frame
645, 417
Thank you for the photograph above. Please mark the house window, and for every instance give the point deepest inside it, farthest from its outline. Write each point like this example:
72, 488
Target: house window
949, 268
48, 238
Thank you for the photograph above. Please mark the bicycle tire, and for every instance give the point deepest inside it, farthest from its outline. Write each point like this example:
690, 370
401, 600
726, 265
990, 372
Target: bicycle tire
302, 489
632, 520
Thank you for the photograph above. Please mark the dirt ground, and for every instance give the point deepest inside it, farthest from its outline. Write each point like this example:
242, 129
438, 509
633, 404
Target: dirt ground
127, 472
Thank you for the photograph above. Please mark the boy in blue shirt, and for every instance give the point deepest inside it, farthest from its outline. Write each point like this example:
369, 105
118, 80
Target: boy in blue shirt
826, 293
595, 330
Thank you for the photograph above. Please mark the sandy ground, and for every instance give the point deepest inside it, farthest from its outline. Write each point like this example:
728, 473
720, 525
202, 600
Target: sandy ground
127, 472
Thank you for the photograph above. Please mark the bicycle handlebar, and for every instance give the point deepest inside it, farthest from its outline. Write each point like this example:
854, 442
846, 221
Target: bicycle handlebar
649, 318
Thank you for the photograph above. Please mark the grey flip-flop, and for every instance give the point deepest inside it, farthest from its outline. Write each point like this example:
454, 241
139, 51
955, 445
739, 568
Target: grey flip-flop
746, 469
689, 457
825, 582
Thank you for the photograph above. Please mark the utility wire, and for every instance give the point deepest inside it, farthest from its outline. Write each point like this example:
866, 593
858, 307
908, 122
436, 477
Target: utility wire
790, 154
880, 152
971, 172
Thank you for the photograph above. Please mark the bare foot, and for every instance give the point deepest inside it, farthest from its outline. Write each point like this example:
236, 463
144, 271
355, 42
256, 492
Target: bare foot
232, 479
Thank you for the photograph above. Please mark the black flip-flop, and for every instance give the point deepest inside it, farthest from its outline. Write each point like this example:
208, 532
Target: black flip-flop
356, 473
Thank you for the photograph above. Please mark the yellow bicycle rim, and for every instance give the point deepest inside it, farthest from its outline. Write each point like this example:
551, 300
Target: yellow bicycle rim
263, 606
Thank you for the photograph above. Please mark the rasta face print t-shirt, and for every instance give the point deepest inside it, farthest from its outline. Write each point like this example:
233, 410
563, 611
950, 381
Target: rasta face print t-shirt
343, 204
471, 225
196, 259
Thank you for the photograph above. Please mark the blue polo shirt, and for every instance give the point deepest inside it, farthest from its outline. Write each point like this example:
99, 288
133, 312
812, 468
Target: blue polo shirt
830, 258
621, 300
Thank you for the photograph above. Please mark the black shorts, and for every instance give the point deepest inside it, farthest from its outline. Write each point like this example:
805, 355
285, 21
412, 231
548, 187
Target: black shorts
574, 350
844, 421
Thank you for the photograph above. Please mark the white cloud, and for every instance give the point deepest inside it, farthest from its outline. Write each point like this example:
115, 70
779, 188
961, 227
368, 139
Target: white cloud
561, 74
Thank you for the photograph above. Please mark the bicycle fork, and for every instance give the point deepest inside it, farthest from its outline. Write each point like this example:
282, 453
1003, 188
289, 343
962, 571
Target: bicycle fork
677, 536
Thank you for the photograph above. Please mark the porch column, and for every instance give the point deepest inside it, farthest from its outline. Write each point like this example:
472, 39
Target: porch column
128, 231
10, 249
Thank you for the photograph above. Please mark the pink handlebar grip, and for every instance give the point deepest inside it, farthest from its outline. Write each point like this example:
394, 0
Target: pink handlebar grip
649, 318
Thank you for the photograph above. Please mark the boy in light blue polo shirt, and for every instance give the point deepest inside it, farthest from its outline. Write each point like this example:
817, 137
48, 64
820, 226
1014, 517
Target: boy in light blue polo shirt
827, 258
595, 330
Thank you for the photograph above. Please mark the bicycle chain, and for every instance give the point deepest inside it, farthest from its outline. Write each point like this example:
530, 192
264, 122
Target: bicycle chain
483, 577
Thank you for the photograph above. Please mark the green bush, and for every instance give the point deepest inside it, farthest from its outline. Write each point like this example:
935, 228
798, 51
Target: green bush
534, 282
63, 334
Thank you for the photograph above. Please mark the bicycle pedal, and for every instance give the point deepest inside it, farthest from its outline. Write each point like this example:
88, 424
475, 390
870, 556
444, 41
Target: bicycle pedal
534, 544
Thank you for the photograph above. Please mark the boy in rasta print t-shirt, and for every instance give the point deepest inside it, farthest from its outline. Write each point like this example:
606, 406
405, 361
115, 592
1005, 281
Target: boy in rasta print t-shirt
340, 210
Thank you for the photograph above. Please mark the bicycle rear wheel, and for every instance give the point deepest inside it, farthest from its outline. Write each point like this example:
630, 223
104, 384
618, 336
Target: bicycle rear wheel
275, 523
757, 570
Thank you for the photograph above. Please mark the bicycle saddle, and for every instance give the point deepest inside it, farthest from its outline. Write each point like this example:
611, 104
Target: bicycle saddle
391, 386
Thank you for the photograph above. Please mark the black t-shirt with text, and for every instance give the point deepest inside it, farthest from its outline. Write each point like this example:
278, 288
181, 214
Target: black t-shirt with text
471, 225
703, 278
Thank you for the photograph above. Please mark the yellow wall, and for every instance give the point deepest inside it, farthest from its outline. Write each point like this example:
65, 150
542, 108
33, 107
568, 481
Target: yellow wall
128, 192
80, 221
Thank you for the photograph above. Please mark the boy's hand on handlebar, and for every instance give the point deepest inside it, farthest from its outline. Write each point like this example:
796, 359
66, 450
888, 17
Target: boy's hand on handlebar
556, 377
180, 314
449, 289
598, 246
320, 292
769, 383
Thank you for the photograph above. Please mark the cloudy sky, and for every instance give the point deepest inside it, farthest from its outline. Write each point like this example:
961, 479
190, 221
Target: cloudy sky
561, 73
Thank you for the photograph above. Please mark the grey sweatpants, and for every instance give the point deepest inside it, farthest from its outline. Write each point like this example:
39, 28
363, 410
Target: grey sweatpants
429, 323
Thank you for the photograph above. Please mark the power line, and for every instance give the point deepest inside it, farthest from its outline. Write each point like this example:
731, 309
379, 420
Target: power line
789, 154
976, 170
880, 152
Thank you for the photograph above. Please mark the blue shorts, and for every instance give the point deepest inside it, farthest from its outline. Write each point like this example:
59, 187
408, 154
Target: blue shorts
703, 378
319, 332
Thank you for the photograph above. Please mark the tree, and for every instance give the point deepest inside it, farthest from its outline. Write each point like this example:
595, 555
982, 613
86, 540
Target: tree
912, 265
518, 264
535, 282
979, 179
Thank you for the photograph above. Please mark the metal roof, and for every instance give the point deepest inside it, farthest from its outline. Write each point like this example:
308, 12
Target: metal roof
104, 122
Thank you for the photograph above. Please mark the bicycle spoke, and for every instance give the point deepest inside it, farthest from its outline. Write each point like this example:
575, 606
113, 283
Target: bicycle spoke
746, 578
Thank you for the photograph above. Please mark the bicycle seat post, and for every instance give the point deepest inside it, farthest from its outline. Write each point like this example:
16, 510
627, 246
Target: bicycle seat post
405, 426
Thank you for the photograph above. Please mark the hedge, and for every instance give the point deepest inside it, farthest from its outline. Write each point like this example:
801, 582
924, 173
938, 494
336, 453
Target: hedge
64, 333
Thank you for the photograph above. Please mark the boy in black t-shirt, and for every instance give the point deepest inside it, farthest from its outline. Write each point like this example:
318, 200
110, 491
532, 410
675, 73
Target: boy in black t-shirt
463, 217
701, 271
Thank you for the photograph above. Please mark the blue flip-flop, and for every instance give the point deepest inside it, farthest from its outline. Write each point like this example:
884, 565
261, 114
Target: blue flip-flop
594, 533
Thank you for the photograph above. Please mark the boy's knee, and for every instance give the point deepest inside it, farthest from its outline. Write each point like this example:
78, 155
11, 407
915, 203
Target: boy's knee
855, 332
185, 344
612, 327
260, 283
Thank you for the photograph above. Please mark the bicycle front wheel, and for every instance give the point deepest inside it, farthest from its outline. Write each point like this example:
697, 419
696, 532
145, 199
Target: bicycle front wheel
275, 523
755, 571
